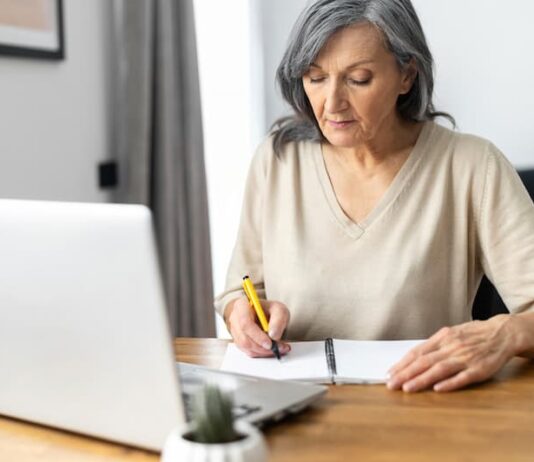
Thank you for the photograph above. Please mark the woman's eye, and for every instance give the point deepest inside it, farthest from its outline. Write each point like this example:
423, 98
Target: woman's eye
359, 82
316, 79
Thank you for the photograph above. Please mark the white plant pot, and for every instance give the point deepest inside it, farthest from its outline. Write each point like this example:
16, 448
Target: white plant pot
251, 448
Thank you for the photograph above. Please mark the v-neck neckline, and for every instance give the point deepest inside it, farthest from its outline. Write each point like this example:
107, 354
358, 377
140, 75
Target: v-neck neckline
352, 228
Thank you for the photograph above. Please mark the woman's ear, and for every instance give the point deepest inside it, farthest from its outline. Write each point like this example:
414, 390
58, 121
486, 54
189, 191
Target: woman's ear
409, 73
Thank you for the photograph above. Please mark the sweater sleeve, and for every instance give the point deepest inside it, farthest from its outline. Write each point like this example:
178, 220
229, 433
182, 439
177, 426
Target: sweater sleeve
247, 256
506, 233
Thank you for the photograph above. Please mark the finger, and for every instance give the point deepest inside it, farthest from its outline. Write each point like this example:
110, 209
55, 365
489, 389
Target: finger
258, 351
426, 347
251, 348
258, 336
437, 373
405, 361
413, 355
278, 319
283, 348
460, 380
241, 315
419, 365
248, 335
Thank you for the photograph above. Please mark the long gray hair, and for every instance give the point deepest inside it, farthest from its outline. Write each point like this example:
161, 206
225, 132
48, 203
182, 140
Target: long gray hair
403, 34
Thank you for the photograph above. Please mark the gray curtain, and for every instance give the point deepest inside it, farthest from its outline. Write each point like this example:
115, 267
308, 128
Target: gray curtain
157, 130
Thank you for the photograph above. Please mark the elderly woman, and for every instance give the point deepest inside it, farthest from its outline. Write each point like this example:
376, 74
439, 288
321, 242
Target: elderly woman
364, 219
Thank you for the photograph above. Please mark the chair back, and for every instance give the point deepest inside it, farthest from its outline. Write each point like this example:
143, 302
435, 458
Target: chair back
488, 302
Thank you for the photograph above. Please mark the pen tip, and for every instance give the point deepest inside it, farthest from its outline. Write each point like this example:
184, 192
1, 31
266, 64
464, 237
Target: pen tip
275, 350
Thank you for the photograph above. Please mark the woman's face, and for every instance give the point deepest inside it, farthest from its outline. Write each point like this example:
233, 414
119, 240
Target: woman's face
353, 86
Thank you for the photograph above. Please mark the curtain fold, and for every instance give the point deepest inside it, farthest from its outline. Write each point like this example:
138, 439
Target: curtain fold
159, 146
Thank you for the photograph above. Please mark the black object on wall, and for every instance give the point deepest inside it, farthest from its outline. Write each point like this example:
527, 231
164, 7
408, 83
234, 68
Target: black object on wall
108, 174
488, 302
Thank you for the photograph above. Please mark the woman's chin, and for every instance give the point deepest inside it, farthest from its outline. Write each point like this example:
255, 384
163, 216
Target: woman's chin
342, 141
343, 138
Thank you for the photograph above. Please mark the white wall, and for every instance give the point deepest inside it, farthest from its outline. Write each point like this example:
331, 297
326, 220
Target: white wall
276, 18
483, 53
224, 47
54, 115
484, 69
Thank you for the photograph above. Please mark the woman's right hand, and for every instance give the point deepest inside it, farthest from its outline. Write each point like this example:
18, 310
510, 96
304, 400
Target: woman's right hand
243, 325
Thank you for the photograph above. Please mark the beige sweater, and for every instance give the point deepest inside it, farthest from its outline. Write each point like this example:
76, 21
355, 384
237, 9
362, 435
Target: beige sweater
455, 210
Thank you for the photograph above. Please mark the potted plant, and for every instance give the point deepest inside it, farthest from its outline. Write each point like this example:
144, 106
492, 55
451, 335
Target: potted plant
213, 435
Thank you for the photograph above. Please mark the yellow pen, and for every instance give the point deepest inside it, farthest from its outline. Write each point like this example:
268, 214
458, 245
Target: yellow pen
254, 301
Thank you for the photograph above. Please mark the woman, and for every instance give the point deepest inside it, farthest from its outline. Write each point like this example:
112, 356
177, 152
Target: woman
364, 219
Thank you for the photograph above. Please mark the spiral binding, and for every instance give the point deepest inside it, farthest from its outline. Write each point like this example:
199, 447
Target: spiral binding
330, 359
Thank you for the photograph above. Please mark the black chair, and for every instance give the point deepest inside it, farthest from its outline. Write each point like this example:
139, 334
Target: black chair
488, 302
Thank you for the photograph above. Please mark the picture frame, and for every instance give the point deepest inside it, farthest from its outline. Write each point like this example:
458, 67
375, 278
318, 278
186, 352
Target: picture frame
32, 29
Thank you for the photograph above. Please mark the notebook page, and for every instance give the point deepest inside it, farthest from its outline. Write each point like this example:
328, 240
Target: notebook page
306, 361
368, 361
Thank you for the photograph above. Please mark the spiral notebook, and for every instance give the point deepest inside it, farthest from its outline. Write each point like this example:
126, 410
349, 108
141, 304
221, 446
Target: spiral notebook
328, 361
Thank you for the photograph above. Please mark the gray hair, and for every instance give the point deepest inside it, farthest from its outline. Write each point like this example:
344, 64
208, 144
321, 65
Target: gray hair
403, 35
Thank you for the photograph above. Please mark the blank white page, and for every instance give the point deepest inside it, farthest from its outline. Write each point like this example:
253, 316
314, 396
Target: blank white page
306, 361
360, 361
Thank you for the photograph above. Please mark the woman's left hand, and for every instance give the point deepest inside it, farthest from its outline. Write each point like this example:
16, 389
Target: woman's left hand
456, 356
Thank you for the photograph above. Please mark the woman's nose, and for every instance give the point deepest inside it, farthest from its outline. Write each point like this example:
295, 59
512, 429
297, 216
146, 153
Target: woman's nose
335, 98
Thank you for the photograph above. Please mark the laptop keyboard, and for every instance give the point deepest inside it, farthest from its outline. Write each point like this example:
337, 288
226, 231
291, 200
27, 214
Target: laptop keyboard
238, 410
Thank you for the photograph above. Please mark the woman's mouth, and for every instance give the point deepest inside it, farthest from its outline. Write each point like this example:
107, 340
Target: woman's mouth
340, 123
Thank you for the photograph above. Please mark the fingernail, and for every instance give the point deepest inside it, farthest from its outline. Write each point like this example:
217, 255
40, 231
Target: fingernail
392, 384
266, 345
273, 334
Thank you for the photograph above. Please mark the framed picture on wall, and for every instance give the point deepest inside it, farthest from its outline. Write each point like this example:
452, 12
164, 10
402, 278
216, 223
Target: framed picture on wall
32, 28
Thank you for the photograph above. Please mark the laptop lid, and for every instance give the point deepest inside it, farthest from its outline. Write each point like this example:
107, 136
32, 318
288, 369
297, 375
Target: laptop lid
84, 338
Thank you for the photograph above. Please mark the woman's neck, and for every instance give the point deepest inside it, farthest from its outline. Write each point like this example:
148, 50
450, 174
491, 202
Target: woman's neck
391, 144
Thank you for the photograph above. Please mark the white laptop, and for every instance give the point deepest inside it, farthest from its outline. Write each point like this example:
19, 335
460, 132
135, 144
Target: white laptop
84, 338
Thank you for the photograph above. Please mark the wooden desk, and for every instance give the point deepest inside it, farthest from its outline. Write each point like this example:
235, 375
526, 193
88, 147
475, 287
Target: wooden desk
490, 422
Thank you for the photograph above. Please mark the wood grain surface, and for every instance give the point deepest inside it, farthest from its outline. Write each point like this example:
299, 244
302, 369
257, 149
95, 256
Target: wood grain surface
493, 421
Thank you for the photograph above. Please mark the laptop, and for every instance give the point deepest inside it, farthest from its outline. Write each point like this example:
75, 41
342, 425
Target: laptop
85, 343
